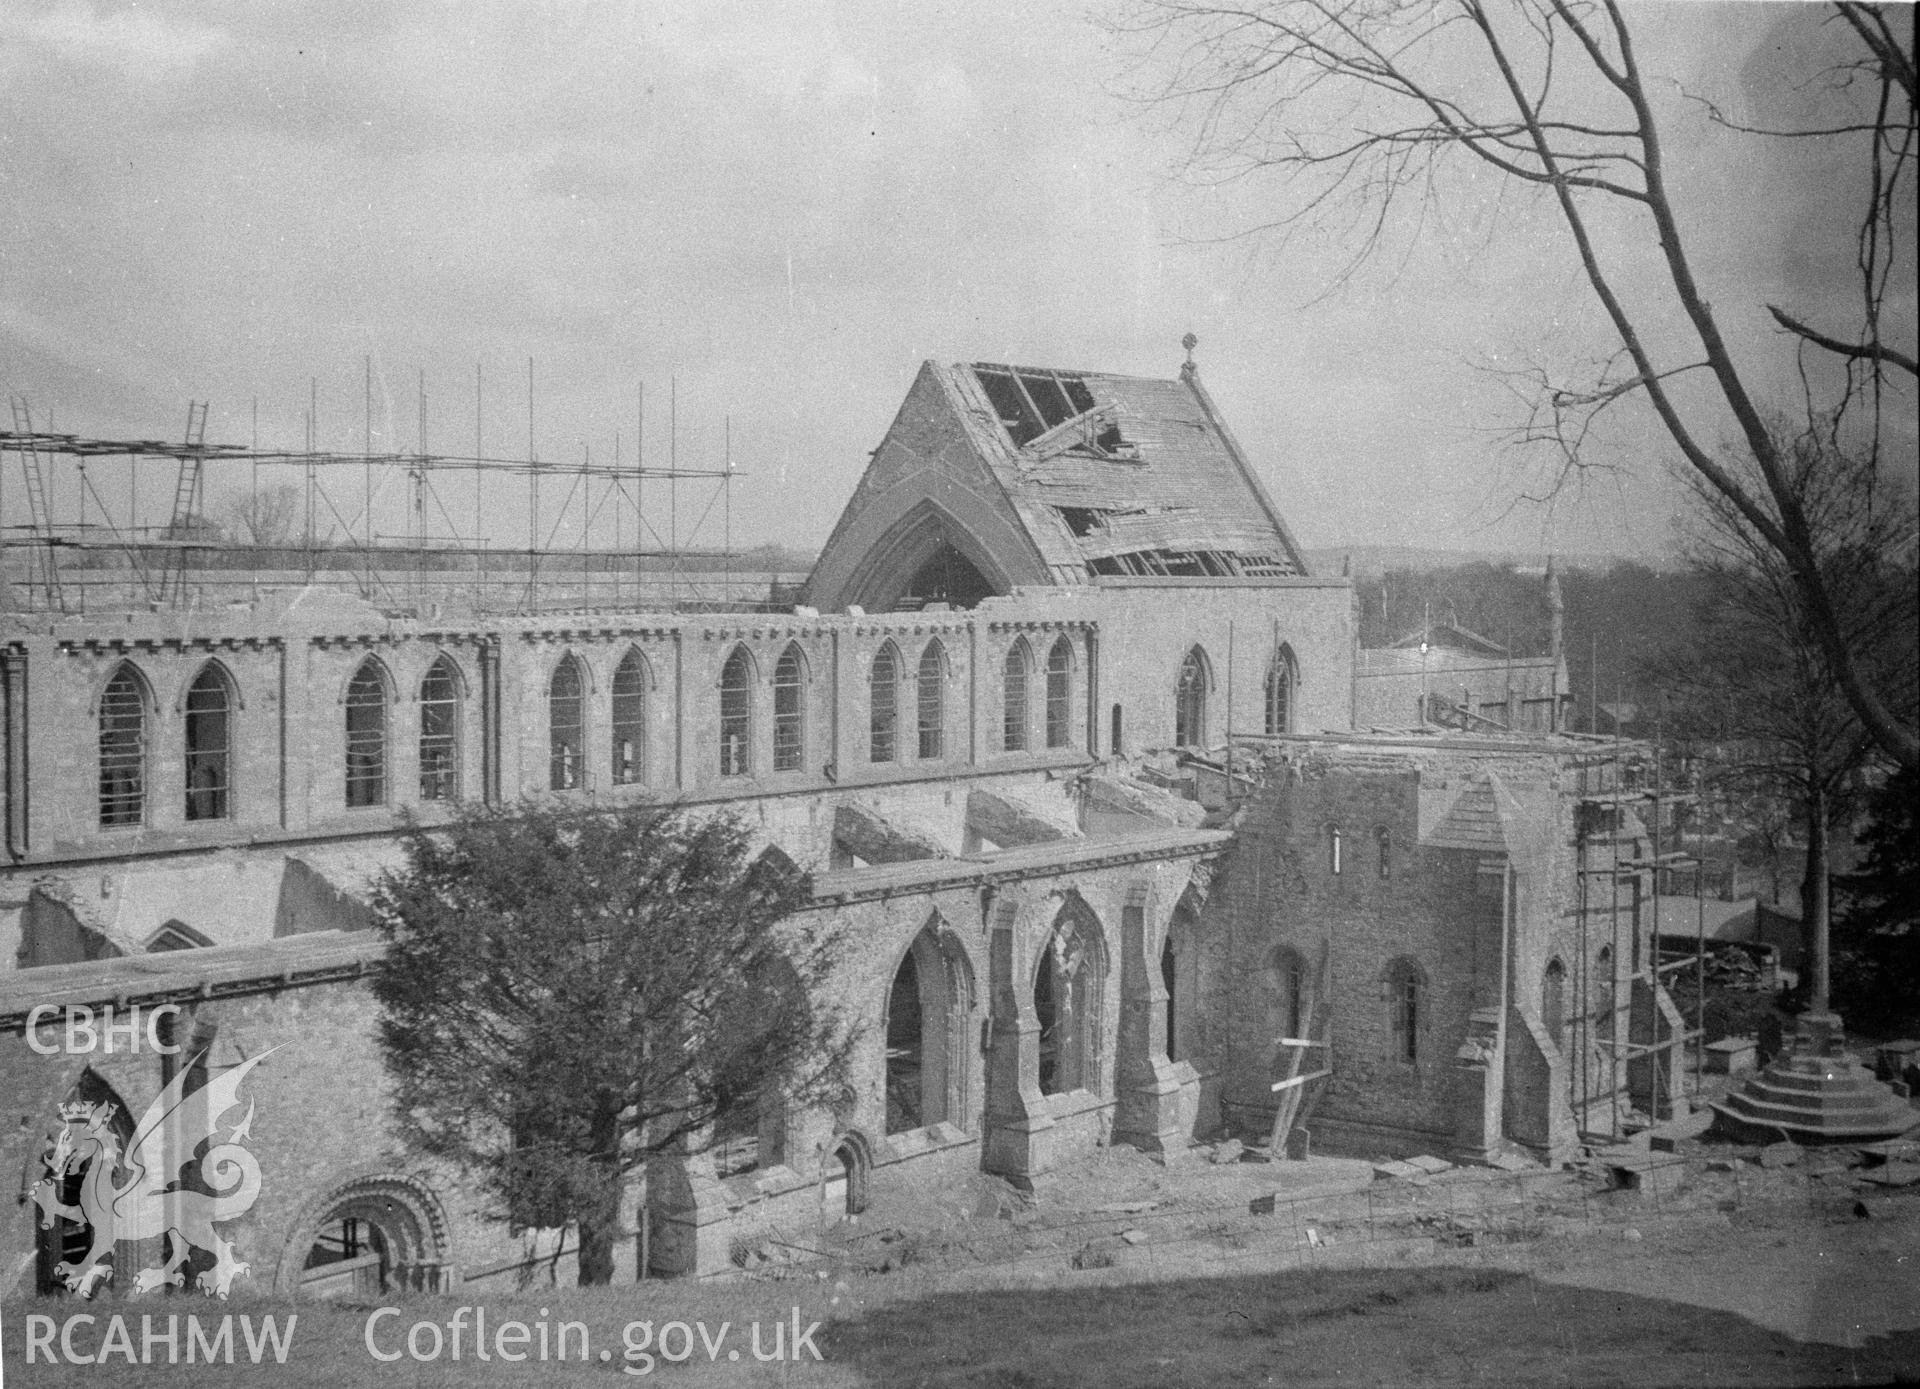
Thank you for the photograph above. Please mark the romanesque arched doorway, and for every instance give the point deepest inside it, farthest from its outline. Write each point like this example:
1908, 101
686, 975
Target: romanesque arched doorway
379, 1234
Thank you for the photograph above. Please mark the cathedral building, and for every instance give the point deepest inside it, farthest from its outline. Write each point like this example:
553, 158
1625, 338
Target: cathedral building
1063, 731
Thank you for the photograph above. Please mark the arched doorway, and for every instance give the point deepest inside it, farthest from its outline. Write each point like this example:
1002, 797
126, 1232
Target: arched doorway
377, 1235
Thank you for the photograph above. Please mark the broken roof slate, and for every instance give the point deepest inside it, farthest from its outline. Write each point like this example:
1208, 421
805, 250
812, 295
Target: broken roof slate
1179, 473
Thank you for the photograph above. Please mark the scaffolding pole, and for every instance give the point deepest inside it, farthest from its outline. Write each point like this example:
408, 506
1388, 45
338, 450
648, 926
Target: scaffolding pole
182, 556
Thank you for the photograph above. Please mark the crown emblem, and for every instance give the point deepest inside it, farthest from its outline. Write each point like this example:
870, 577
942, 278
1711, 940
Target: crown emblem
84, 1112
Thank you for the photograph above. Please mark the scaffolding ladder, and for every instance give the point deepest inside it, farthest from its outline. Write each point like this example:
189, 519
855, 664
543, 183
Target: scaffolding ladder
186, 502
40, 515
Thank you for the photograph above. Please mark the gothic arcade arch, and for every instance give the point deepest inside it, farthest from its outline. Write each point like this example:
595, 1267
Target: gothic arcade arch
1069, 1000
927, 1029
926, 556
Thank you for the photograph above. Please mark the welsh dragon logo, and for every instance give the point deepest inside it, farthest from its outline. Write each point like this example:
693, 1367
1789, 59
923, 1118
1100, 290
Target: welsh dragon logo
150, 1200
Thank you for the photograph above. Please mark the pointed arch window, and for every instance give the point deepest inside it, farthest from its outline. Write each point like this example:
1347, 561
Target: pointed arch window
736, 714
630, 721
1013, 702
209, 746
440, 732
932, 682
883, 706
789, 712
932, 702
366, 738
123, 751
1060, 694
566, 726
1282, 675
1190, 701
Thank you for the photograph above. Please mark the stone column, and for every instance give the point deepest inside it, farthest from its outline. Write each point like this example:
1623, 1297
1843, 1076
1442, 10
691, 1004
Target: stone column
1157, 1099
1479, 1064
1477, 1086
1018, 1122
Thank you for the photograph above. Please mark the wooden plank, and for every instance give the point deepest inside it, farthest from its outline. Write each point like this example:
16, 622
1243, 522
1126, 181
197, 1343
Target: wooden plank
1292, 1081
1292, 1089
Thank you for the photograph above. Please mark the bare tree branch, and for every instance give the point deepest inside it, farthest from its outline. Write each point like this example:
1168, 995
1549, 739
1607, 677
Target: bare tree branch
1358, 103
1869, 350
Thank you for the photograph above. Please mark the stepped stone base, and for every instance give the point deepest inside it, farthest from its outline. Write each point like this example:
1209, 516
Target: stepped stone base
1814, 1092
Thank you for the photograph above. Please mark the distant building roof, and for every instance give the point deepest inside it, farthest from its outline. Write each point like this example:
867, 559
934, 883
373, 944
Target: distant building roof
1449, 636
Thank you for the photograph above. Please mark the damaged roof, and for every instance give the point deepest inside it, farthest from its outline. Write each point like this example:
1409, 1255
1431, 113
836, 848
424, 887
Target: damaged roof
1122, 475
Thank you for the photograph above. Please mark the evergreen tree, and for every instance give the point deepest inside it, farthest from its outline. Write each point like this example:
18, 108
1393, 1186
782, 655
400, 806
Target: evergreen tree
1876, 932
568, 993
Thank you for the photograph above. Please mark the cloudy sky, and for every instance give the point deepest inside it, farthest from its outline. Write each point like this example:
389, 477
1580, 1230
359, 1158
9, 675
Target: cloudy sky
776, 211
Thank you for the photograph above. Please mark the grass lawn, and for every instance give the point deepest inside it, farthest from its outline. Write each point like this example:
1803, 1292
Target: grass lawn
1411, 1326
1436, 1325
